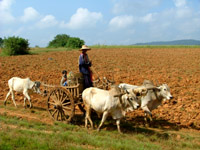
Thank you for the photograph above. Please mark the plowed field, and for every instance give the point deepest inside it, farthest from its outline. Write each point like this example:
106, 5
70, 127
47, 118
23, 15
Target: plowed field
178, 67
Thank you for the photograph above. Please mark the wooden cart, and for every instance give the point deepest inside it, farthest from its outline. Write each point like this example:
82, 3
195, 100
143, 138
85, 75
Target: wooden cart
62, 100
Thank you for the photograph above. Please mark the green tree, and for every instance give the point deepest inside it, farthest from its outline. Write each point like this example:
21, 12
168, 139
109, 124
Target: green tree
1, 42
75, 42
59, 41
15, 46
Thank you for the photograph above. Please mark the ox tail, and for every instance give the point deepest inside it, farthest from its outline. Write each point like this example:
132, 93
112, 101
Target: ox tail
11, 83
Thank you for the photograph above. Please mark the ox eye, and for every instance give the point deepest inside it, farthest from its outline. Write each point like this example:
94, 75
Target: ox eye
165, 89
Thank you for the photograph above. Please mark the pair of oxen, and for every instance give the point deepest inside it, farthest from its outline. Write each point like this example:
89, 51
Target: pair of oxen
122, 98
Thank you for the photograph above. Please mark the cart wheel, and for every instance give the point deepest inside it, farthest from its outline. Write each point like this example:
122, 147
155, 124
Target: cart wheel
60, 105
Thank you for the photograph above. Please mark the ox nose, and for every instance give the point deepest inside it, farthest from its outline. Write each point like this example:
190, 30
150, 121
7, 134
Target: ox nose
171, 97
136, 106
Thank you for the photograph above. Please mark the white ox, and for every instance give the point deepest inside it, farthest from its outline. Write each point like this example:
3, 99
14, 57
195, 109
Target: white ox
108, 102
24, 86
154, 97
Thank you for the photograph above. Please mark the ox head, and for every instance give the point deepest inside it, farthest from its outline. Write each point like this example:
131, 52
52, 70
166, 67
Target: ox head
165, 92
36, 87
132, 99
128, 100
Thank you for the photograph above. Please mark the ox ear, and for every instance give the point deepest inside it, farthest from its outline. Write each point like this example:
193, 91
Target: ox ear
122, 90
153, 88
144, 91
158, 88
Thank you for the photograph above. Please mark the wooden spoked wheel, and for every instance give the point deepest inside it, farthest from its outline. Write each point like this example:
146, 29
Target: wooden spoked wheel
60, 105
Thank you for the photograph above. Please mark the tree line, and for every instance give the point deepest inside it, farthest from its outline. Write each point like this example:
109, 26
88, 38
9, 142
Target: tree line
19, 46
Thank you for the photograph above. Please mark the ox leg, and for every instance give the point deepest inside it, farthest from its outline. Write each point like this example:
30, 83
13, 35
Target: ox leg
105, 115
148, 115
13, 98
145, 117
7, 97
87, 117
28, 97
24, 101
118, 125
147, 112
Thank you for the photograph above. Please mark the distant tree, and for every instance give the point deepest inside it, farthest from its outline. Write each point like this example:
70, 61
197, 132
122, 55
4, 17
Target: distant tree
75, 42
59, 40
15, 46
1, 42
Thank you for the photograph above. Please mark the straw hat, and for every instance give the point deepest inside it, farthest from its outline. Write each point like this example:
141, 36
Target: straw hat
85, 47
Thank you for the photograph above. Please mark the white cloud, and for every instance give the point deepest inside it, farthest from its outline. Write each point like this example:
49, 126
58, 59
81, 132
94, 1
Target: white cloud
18, 31
147, 18
121, 22
29, 14
134, 6
82, 19
5, 11
47, 21
180, 3
174, 23
183, 12
190, 27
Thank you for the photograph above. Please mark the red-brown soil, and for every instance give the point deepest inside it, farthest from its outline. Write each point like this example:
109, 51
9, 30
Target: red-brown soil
178, 67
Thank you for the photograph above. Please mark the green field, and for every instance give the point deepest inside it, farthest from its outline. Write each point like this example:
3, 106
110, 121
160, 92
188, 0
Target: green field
17, 133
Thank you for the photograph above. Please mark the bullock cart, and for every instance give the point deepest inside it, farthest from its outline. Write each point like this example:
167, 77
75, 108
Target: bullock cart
62, 101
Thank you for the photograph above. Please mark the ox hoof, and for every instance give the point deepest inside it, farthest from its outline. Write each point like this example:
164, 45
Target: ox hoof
28, 106
4, 103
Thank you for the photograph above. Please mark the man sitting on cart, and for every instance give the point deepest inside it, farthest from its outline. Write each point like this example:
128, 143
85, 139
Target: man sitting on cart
84, 67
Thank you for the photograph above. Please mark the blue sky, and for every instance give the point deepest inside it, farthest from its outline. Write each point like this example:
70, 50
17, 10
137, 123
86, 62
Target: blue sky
108, 22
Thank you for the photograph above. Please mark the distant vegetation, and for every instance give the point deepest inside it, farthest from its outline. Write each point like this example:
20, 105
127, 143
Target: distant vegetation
176, 42
63, 40
15, 46
1, 42
19, 46
59, 40
74, 42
